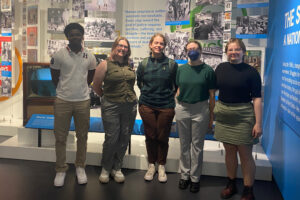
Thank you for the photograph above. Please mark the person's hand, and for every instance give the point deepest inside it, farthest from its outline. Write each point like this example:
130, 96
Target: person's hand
256, 131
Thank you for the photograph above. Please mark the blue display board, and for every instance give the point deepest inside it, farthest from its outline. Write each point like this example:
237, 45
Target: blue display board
281, 115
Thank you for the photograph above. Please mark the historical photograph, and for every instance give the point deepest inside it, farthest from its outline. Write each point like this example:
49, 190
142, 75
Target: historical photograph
5, 86
175, 48
6, 51
60, 3
227, 26
55, 45
58, 18
208, 26
32, 15
99, 28
6, 22
5, 5
32, 55
212, 56
78, 9
209, 2
178, 10
228, 6
101, 5
257, 24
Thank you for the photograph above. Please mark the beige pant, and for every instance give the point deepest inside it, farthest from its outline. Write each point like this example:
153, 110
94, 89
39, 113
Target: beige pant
63, 112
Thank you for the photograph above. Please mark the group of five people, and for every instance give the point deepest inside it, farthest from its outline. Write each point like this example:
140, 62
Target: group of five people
186, 92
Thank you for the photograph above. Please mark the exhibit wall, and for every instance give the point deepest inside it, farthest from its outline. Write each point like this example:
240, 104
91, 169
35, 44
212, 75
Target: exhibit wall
281, 115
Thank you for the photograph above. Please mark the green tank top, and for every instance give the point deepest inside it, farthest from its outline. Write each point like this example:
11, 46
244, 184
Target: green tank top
119, 83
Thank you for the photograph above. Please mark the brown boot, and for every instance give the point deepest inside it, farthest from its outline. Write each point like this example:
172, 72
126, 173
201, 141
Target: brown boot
230, 189
248, 193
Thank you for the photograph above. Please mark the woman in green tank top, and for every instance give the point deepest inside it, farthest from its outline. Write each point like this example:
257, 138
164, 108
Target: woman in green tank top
114, 82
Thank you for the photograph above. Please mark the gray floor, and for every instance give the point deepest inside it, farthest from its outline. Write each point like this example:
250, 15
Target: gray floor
32, 180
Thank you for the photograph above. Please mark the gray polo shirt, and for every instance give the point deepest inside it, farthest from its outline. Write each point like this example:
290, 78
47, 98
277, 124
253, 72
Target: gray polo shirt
72, 85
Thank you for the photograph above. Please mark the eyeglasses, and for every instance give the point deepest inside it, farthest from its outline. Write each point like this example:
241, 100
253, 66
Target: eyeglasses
122, 46
236, 50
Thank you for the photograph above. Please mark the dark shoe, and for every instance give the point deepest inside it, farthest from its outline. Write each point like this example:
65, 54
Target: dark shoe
248, 193
195, 187
183, 184
230, 189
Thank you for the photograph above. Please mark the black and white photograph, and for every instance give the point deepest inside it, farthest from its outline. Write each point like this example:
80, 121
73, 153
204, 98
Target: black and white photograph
226, 36
107, 5
6, 51
209, 2
227, 26
32, 15
178, 10
99, 28
251, 1
5, 5
228, 6
208, 26
257, 24
176, 42
55, 45
59, 3
58, 18
78, 9
5, 22
212, 56
32, 55
5, 86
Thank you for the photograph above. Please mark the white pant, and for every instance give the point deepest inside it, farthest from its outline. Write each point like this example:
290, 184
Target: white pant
192, 124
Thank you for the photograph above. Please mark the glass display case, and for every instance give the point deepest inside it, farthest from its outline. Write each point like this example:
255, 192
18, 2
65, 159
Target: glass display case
38, 90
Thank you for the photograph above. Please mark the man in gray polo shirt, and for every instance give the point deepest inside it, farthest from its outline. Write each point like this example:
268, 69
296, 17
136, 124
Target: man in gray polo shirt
72, 70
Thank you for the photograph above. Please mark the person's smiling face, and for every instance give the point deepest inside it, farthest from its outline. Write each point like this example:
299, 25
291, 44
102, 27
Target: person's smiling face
235, 53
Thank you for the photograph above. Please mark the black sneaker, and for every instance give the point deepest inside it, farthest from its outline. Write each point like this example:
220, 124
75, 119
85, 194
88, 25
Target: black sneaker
183, 184
195, 187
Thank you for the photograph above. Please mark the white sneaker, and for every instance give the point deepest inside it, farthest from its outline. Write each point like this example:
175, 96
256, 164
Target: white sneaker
118, 176
59, 179
162, 176
150, 173
104, 176
81, 176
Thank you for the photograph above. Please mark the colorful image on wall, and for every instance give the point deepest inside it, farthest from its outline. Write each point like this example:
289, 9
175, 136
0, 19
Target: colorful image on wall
208, 26
32, 36
99, 28
178, 12
175, 48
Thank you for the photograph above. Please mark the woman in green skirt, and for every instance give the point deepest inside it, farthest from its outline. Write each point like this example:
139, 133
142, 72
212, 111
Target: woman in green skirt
238, 116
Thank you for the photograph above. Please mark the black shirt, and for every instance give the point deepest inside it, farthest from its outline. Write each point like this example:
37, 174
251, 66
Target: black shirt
237, 83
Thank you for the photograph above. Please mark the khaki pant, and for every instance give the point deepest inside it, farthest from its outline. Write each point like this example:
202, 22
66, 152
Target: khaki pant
63, 112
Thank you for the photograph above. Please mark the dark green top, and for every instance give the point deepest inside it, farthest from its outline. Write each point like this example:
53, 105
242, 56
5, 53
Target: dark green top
157, 83
195, 82
119, 83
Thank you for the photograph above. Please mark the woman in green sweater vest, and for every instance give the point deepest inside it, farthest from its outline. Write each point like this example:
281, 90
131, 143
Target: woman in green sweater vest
194, 113
114, 80
156, 80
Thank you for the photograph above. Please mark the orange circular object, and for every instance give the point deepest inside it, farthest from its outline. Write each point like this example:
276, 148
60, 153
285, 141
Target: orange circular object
20, 78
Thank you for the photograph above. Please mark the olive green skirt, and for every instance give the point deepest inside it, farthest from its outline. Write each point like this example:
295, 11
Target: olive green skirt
234, 123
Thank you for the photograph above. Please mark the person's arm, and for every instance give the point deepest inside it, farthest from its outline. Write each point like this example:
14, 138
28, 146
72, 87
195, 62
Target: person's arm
90, 76
99, 77
257, 130
211, 107
55, 73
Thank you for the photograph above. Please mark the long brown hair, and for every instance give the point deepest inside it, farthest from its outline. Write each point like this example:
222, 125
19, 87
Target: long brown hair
114, 46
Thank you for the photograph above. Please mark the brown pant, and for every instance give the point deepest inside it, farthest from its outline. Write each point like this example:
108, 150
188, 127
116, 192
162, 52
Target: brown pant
157, 126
